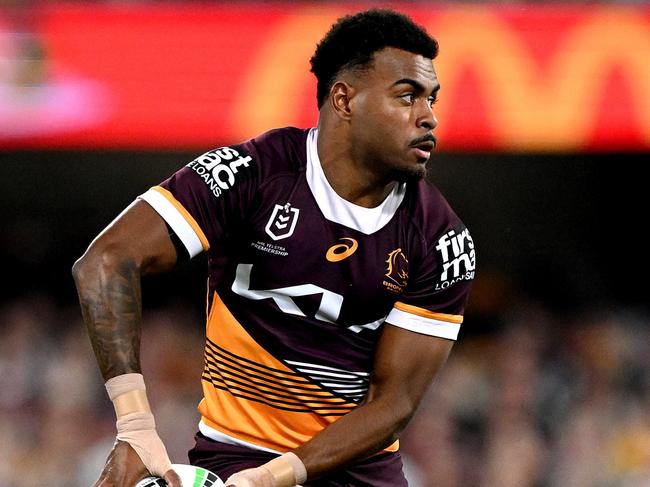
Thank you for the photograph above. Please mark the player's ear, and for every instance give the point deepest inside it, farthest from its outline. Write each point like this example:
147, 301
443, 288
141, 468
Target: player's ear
340, 96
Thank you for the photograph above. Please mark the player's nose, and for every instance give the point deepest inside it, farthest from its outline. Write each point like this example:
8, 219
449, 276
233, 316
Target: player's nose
427, 119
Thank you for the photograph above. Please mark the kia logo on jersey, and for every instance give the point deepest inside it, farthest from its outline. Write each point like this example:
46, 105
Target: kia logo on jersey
282, 222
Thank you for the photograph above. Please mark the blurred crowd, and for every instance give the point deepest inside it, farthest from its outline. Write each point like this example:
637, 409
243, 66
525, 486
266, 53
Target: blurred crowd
544, 400
56, 422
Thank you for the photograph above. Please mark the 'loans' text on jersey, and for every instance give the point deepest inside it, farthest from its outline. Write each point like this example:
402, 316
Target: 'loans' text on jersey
219, 168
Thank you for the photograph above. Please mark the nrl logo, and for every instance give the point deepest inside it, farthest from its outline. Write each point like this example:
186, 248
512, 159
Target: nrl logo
282, 222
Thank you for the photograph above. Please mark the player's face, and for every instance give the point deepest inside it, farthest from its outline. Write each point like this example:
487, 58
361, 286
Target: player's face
393, 120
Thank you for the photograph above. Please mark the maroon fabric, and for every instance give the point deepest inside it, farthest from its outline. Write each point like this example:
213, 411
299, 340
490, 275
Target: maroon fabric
384, 470
430, 248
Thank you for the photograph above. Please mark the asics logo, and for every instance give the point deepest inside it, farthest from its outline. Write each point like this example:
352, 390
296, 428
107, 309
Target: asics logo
338, 252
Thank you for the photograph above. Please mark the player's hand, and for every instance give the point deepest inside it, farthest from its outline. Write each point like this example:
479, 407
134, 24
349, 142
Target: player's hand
251, 477
139, 431
287, 470
124, 469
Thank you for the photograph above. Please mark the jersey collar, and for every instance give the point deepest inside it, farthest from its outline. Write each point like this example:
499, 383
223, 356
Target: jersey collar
339, 210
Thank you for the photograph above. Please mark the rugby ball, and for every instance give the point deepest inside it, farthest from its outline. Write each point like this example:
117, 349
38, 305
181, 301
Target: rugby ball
190, 475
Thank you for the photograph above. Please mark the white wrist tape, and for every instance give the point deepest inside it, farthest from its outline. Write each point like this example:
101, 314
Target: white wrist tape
284, 471
128, 393
287, 470
135, 423
121, 384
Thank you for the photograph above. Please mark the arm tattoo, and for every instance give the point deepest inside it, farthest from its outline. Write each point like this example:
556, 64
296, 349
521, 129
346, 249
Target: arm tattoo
111, 305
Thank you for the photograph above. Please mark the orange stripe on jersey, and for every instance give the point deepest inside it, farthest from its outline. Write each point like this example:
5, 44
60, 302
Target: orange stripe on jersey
275, 388
189, 218
425, 313
252, 396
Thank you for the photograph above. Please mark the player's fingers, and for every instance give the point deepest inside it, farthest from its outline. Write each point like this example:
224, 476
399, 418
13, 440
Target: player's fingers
251, 477
103, 481
239, 483
172, 479
106, 478
100, 482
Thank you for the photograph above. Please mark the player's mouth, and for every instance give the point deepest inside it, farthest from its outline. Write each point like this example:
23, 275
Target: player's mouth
423, 146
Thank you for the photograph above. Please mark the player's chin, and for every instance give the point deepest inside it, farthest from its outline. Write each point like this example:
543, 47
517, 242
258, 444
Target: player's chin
411, 172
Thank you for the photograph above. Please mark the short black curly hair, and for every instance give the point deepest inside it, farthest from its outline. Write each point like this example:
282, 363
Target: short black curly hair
353, 40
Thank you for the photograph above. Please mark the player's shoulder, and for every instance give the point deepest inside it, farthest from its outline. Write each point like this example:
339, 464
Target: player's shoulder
430, 211
427, 205
279, 150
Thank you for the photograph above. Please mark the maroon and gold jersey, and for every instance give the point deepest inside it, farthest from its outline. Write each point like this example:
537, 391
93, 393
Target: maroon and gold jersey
301, 282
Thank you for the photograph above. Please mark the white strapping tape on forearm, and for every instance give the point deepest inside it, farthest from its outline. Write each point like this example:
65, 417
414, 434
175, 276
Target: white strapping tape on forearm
121, 384
135, 423
128, 393
287, 470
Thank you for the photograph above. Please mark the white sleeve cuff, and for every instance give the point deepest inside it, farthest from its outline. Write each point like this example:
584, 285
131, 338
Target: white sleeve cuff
424, 325
176, 220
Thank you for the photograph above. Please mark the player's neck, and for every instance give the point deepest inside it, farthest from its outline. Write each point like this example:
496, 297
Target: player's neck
348, 177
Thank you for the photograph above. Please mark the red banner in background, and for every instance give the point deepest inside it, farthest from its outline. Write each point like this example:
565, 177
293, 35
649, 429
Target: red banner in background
195, 76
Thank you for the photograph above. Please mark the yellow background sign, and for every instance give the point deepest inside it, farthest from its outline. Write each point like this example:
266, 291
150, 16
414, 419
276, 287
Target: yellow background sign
151, 76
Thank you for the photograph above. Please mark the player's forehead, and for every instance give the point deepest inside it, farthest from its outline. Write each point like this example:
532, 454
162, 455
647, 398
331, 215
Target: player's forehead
390, 65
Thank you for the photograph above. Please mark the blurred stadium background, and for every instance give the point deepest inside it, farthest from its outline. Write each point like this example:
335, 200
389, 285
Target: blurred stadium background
545, 126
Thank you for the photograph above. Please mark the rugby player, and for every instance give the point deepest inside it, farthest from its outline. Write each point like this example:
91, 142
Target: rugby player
338, 278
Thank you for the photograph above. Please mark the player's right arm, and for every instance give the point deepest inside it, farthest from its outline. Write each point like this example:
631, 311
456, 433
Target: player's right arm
108, 278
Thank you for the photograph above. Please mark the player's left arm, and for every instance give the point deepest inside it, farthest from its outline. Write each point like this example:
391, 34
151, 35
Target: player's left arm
405, 364
415, 342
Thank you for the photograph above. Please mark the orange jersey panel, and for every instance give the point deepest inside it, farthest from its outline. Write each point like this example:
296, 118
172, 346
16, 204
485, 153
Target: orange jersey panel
252, 396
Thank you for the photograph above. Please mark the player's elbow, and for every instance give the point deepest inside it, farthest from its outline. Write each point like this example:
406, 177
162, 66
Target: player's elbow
81, 268
398, 413
402, 415
397, 405
100, 260
395, 423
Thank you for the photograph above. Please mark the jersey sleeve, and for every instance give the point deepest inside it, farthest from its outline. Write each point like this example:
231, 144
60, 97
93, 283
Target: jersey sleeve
204, 200
435, 298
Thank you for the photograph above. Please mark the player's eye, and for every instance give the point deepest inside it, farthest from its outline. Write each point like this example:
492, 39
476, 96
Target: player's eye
432, 100
408, 98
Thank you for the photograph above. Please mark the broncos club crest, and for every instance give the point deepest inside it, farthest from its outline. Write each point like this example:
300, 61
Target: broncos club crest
396, 271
